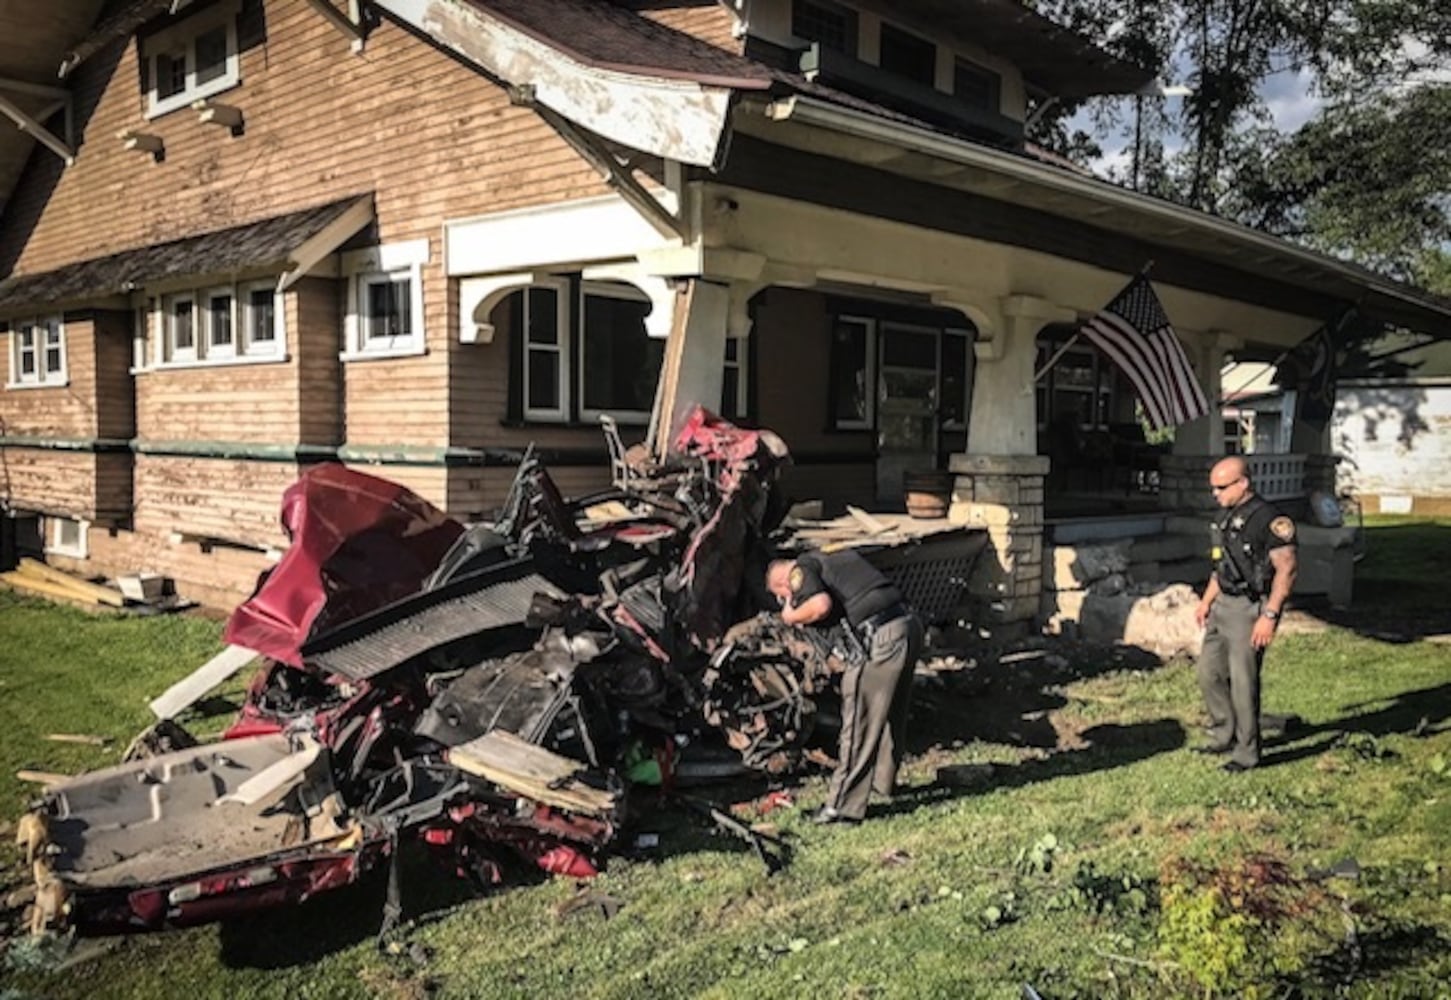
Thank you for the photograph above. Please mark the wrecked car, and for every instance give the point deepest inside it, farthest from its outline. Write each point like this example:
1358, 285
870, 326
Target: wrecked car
494, 710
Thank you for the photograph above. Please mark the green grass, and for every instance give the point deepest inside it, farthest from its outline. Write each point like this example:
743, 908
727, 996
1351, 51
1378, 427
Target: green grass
962, 911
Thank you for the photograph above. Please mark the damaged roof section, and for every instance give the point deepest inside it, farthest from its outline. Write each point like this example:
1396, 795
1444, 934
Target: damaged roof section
294, 242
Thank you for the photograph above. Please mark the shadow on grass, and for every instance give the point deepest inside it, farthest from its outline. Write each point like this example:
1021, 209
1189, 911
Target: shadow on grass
1109, 745
1425, 710
1391, 949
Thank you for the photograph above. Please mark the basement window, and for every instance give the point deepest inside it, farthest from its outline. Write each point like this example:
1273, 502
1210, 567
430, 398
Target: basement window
192, 60
37, 353
385, 300
67, 537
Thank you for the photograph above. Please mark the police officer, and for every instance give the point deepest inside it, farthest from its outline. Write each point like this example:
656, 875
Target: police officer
1254, 569
842, 588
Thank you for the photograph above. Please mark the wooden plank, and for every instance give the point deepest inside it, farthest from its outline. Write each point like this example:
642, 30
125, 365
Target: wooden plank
82, 589
184, 693
42, 777
531, 771
867, 521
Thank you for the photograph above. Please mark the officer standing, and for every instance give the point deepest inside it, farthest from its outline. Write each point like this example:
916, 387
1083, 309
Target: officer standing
1254, 569
826, 589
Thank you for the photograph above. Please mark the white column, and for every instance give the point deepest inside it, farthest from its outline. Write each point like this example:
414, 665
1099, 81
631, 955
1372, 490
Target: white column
1206, 352
1004, 419
694, 367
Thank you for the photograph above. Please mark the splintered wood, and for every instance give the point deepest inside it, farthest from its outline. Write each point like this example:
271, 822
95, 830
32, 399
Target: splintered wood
531, 771
37, 577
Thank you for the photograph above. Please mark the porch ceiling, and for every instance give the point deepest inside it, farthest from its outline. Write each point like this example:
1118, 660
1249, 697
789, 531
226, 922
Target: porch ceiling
34, 38
931, 157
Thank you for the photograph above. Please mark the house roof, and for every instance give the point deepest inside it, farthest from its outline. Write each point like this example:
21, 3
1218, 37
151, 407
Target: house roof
273, 242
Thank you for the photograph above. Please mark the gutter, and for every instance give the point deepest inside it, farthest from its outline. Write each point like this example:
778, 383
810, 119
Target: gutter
820, 114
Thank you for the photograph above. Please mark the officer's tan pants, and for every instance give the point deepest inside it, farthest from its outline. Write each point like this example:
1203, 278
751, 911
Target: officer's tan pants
1229, 677
875, 698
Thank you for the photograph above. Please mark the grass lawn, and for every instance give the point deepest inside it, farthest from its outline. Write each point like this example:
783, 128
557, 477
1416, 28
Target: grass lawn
1098, 858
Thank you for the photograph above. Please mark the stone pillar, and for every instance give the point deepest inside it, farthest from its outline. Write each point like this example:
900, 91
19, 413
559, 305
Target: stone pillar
1003, 495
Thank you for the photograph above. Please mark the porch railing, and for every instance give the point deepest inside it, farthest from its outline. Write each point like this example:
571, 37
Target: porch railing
1277, 477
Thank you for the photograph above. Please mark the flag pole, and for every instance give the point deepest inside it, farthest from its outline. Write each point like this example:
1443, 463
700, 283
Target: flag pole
1058, 354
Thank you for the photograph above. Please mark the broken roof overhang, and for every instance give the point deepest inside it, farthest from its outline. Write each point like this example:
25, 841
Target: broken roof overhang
1009, 177
608, 70
293, 243
1052, 58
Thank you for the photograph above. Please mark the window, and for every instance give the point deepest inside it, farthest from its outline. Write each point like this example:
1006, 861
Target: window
908, 56
385, 300
830, 24
1081, 389
221, 335
546, 358
620, 362
956, 377
37, 352
259, 318
976, 87
67, 537
853, 372
733, 396
179, 321
194, 59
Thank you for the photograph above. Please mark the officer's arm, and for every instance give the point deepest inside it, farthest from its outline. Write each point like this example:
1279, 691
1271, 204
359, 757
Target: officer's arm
1284, 563
813, 609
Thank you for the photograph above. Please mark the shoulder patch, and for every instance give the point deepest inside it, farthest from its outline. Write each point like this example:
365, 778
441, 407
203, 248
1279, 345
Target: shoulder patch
1283, 528
797, 579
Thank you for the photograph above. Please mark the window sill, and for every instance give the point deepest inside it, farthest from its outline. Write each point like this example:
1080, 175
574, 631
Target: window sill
179, 102
38, 385
380, 355
270, 359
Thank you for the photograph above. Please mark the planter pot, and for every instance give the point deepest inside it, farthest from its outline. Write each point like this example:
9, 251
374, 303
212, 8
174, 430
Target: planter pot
928, 494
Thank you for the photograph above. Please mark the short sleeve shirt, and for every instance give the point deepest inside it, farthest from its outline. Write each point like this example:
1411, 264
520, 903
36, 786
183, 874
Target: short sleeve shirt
856, 587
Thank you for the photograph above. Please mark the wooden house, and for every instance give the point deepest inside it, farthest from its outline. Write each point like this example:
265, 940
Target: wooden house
417, 235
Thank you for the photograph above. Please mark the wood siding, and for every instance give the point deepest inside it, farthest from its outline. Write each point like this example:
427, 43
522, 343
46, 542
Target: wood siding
708, 20
49, 481
60, 411
233, 500
314, 322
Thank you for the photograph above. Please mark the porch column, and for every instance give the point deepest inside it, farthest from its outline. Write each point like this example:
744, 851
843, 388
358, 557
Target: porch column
693, 369
1184, 474
999, 480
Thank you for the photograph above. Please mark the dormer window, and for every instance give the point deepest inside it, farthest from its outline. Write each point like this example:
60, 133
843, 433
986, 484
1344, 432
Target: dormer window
977, 87
908, 56
829, 24
191, 60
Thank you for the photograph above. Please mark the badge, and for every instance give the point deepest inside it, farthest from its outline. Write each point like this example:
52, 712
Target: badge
797, 579
1236, 523
1283, 529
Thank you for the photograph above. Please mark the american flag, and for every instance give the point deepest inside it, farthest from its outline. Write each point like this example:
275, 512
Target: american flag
1136, 335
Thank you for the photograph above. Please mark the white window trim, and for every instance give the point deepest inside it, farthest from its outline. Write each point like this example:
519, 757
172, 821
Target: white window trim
624, 292
172, 353
269, 349
870, 376
211, 349
53, 543
389, 261
185, 35
42, 377
560, 413
742, 367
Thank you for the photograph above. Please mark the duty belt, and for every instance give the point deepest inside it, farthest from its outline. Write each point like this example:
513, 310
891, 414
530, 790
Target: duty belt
870, 626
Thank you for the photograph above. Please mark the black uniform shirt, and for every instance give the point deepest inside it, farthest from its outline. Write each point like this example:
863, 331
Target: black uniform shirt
857, 588
1243, 538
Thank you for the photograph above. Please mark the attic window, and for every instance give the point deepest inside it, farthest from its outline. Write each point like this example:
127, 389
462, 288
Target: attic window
830, 24
191, 60
976, 87
908, 56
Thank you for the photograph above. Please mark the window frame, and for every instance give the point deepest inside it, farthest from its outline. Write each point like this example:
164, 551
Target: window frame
246, 309
154, 329
908, 39
625, 292
869, 422
562, 346
171, 352
38, 330
54, 544
181, 39
851, 24
742, 365
211, 349
374, 266
961, 67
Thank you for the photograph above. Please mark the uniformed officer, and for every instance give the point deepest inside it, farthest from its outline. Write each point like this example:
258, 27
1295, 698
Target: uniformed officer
843, 588
1254, 569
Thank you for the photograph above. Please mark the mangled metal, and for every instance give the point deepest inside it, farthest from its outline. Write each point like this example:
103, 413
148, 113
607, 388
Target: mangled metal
492, 699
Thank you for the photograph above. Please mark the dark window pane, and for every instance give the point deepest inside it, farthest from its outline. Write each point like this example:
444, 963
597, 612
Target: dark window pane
976, 86
220, 320
389, 311
543, 380
542, 316
621, 361
730, 394
181, 324
27, 351
170, 74
733, 350
954, 378
905, 349
833, 26
849, 371
263, 323
909, 56
211, 54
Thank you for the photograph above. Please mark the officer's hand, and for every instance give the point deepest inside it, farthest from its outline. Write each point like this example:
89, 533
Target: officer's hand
1201, 614
1263, 633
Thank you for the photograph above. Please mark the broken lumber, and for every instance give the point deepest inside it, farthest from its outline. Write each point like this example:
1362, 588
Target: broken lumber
82, 589
42, 777
35, 585
871, 524
90, 741
530, 771
184, 693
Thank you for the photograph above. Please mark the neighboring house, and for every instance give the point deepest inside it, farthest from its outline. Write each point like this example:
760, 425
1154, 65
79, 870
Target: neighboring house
1394, 436
416, 235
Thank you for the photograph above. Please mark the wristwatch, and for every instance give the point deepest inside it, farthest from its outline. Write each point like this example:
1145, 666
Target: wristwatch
1273, 616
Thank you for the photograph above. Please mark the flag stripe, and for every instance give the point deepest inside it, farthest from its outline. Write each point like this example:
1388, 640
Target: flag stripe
1135, 333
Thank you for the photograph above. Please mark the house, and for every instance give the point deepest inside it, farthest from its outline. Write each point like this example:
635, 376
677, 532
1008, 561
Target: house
417, 235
